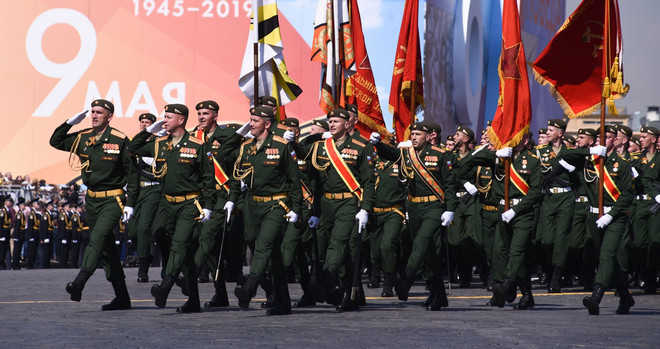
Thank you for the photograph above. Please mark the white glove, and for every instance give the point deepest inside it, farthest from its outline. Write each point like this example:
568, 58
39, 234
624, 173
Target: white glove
508, 215
128, 213
244, 130
15, 239
362, 217
375, 138
63, 242
566, 165
289, 136
46, 241
117, 242
313, 222
75, 241
326, 135
470, 188
205, 215
3, 239
75, 120
244, 186
406, 144
635, 174
598, 150
161, 133
603, 221
657, 198
31, 240
156, 126
446, 218
291, 217
504, 152
229, 206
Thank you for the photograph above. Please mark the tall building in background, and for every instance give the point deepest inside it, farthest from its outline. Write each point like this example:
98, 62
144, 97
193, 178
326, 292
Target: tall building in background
463, 42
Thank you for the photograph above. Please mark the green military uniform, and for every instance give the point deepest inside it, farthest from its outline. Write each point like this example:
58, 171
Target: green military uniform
425, 209
513, 239
270, 171
487, 208
106, 168
337, 207
608, 241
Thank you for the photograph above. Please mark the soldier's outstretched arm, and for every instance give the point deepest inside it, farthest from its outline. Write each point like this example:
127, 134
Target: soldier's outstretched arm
294, 179
138, 143
387, 151
61, 139
132, 176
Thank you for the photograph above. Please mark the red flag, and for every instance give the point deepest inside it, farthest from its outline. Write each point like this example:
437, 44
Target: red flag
361, 86
514, 110
574, 65
407, 73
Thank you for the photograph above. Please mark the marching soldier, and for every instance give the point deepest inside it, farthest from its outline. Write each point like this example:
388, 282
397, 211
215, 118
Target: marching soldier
5, 230
76, 238
105, 168
187, 179
46, 235
346, 191
543, 136
20, 225
558, 205
267, 164
32, 236
65, 234
431, 203
146, 206
271, 103
622, 141
608, 232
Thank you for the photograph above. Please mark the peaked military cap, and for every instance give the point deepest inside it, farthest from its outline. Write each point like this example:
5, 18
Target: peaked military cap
489, 123
450, 137
177, 109
339, 113
608, 129
558, 123
105, 104
290, 122
352, 108
267, 100
625, 130
264, 112
421, 126
147, 116
321, 123
466, 131
650, 130
636, 140
211, 105
435, 127
570, 139
588, 131
543, 131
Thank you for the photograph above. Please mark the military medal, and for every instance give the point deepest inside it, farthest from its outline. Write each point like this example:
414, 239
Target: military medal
524, 163
616, 167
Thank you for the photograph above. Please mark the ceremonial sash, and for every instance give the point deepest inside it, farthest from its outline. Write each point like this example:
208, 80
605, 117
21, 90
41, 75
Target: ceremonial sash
341, 167
611, 188
307, 194
219, 174
518, 181
425, 175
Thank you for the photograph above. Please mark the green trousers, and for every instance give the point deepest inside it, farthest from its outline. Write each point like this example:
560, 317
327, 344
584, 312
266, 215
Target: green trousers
268, 224
578, 235
103, 215
556, 218
510, 246
607, 244
424, 226
340, 231
139, 229
210, 239
489, 221
184, 229
385, 240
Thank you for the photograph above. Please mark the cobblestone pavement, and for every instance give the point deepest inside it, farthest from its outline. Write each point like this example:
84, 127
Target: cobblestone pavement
35, 311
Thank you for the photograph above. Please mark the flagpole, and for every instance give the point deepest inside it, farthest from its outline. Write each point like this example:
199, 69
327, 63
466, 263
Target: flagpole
412, 106
507, 182
256, 70
606, 71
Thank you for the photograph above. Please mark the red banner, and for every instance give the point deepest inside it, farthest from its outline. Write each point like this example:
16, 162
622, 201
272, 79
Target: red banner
407, 75
514, 111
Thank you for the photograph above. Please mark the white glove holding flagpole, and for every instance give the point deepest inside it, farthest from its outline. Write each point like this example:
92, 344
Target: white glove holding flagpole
598, 150
504, 152
375, 138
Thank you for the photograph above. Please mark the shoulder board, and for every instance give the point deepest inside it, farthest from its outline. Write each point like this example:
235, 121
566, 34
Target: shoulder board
85, 131
195, 140
280, 126
438, 149
357, 142
635, 155
247, 142
117, 133
541, 146
532, 155
622, 158
280, 139
160, 139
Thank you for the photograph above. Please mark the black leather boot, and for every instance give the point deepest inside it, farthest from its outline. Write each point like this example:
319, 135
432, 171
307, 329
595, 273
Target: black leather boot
220, 298
75, 288
143, 270
626, 300
183, 284
512, 292
332, 291
245, 292
402, 285
160, 292
431, 296
267, 286
490, 282
555, 282
440, 300
650, 281
502, 293
347, 304
192, 304
527, 299
388, 281
592, 302
492, 302
307, 299
122, 300
282, 300
374, 277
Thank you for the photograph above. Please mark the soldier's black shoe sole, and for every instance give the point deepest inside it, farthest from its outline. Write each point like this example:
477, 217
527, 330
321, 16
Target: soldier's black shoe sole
159, 296
625, 305
401, 289
74, 291
280, 310
216, 303
305, 301
189, 308
117, 305
499, 294
143, 280
243, 297
591, 305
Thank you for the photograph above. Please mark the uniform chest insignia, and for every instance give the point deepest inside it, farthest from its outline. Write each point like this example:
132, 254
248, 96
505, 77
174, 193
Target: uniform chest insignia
645, 161
252, 150
110, 148
652, 165
615, 167
524, 163
168, 146
348, 153
449, 164
215, 145
301, 162
190, 153
395, 168
90, 141
272, 153
430, 160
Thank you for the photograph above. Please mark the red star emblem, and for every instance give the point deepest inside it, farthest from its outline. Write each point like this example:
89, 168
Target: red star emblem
509, 62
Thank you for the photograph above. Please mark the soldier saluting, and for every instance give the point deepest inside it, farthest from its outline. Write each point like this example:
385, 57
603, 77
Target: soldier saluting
105, 168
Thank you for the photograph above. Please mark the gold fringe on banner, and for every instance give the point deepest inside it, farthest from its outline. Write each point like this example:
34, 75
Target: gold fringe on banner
560, 99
